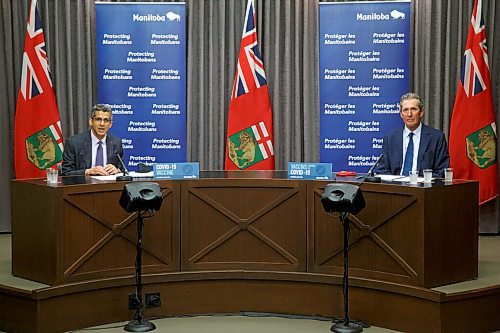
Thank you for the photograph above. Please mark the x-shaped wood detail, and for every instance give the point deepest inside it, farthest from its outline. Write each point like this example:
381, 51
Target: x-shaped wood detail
243, 224
100, 217
366, 230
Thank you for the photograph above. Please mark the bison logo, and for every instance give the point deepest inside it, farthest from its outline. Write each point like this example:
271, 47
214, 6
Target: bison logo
396, 15
173, 16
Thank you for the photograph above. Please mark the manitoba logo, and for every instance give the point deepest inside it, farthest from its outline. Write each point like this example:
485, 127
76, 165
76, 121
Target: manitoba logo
44, 148
173, 16
397, 15
481, 146
250, 146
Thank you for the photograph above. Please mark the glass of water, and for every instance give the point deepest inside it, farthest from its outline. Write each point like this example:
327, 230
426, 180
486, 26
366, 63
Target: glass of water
51, 175
427, 175
448, 174
413, 177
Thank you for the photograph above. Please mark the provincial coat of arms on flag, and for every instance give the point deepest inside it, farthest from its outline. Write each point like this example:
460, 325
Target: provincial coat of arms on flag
44, 148
481, 147
247, 147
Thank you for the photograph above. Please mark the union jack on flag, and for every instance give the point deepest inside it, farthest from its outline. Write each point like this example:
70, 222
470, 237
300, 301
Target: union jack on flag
475, 55
249, 139
35, 73
38, 142
250, 69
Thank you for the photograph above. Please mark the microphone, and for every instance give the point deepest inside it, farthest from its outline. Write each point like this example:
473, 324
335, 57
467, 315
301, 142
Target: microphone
125, 176
370, 177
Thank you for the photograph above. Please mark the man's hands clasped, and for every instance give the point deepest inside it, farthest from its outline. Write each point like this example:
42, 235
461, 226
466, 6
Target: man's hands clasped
108, 169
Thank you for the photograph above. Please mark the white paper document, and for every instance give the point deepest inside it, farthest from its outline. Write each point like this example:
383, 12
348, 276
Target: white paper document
399, 178
390, 178
402, 179
133, 174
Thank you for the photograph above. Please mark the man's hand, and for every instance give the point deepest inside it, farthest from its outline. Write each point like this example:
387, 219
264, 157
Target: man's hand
107, 170
111, 169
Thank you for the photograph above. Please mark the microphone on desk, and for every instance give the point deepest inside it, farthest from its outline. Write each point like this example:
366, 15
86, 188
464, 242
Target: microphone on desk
370, 176
125, 176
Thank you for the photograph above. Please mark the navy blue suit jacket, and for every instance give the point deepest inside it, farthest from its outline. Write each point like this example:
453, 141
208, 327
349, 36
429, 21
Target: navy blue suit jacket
77, 155
432, 152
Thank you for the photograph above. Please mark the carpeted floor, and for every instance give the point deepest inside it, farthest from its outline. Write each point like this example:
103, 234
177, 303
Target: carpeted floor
235, 324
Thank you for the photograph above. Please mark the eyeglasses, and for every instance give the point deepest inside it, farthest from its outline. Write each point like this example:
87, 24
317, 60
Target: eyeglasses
103, 120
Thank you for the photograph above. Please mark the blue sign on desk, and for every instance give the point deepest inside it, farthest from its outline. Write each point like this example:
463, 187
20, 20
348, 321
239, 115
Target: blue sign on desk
189, 170
319, 171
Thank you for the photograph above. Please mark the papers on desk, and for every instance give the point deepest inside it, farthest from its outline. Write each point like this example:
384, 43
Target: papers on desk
390, 178
402, 179
399, 179
133, 174
110, 177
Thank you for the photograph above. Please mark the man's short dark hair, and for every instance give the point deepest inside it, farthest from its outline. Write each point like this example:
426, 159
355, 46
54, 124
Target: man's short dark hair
102, 108
411, 95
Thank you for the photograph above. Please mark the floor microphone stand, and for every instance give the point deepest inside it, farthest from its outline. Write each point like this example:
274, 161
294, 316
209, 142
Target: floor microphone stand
138, 324
346, 325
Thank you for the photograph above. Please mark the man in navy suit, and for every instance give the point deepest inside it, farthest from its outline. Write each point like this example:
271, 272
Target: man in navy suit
93, 152
429, 148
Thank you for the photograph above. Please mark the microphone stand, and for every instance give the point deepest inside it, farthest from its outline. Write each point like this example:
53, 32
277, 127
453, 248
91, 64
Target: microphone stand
370, 176
125, 176
138, 324
346, 325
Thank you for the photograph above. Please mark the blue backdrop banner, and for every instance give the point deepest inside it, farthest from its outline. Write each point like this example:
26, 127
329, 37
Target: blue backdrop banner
141, 69
364, 70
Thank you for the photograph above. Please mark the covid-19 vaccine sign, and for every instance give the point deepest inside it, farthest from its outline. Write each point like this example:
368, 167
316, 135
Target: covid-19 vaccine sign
364, 70
141, 69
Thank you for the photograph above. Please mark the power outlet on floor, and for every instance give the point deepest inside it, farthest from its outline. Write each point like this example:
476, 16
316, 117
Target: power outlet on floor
153, 300
133, 302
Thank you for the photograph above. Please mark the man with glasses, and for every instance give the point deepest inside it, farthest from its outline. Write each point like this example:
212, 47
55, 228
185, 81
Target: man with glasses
414, 146
93, 152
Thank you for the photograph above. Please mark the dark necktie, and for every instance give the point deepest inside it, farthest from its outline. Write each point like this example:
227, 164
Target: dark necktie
409, 156
99, 159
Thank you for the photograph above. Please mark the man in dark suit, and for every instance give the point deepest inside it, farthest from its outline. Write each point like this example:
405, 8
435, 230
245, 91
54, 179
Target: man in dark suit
428, 148
93, 152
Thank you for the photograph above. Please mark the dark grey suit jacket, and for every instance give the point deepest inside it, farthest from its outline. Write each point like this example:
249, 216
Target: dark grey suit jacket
432, 152
77, 155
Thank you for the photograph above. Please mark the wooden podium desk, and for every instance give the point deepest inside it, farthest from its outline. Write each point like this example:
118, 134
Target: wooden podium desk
255, 221
424, 235
76, 230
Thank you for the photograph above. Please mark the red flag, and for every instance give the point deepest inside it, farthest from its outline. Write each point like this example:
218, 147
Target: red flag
249, 141
38, 138
473, 131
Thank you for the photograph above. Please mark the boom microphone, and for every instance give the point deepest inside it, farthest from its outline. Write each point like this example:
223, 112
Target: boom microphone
370, 177
125, 176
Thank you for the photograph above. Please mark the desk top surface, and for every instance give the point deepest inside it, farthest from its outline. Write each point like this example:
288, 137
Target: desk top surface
220, 174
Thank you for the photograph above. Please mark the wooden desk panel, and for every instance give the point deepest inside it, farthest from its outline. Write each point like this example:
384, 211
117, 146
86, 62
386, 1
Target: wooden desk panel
406, 234
244, 224
80, 232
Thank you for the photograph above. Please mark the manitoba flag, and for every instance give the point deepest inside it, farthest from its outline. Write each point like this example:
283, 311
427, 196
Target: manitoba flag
38, 139
473, 133
249, 140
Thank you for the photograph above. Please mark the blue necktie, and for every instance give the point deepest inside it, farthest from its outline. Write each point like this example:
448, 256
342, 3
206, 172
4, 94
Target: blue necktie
99, 159
409, 156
